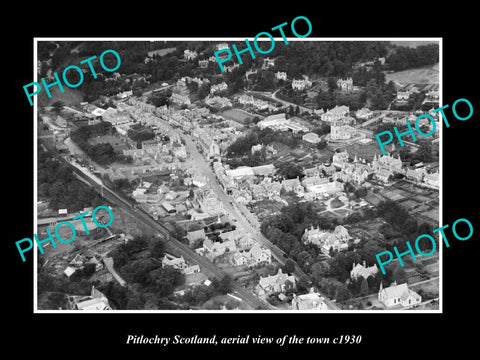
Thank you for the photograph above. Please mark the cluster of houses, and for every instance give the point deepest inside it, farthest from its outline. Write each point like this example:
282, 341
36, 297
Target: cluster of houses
258, 104
234, 247
392, 296
301, 84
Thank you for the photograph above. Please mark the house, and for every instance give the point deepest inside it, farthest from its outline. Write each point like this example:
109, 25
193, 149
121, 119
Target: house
363, 271
210, 204
96, 301
263, 170
364, 114
214, 249
179, 99
293, 185
180, 264
213, 149
189, 55
329, 170
195, 235
311, 138
322, 187
310, 301
415, 174
271, 284
256, 255
345, 84
240, 172
69, 271
313, 171
326, 240
387, 162
260, 255
125, 94
336, 113
218, 87
301, 84
341, 129
281, 75
267, 62
403, 95
383, 175
340, 158
233, 235
398, 295
432, 179
273, 121
203, 64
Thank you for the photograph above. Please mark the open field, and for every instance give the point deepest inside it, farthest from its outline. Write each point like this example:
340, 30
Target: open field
424, 75
237, 115
413, 43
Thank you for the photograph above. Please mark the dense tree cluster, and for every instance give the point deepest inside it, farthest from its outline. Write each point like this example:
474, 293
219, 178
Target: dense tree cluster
138, 132
102, 153
57, 183
330, 274
402, 57
399, 221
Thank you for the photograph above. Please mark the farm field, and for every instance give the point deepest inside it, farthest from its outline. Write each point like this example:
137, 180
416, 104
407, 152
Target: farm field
424, 75
238, 115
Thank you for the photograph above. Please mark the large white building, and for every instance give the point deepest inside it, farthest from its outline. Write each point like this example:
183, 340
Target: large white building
398, 295
326, 240
310, 301
340, 129
336, 113
363, 271
345, 84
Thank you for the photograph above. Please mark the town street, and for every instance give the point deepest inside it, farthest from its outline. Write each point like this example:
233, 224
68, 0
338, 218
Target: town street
203, 168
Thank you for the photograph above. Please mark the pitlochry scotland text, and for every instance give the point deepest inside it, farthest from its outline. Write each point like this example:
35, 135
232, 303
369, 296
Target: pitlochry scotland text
172, 177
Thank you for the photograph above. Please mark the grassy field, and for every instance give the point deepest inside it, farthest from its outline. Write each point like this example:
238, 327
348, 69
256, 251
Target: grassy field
237, 115
424, 75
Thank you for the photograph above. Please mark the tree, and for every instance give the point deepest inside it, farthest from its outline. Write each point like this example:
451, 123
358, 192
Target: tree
289, 266
58, 106
290, 171
399, 275
364, 290
225, 284
89, 270
424, 152
343, 293
322, 144
157, 249
332, 84
303, 284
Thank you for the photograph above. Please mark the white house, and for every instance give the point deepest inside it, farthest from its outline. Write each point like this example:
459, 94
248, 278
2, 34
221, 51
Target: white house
281, 75
310, 301
363, 271
398, 295
336, 113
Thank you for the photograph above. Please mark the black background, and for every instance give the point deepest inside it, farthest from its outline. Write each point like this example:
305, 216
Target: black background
382, 334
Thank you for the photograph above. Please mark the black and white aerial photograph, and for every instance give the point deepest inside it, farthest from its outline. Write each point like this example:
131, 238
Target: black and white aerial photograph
261, 187
224, 181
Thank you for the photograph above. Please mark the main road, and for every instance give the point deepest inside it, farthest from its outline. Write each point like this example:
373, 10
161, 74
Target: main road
241, 221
